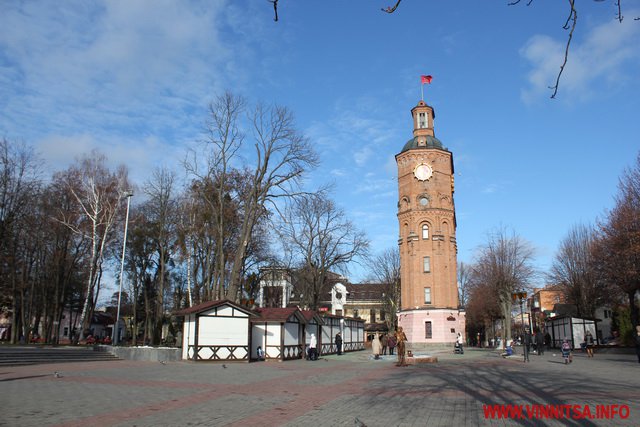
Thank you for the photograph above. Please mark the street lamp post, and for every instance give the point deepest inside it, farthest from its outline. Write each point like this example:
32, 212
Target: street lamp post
520, 297
115, 338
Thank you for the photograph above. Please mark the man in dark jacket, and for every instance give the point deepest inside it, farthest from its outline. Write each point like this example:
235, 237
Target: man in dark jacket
339, 343
526, 344
637, 337
540, 343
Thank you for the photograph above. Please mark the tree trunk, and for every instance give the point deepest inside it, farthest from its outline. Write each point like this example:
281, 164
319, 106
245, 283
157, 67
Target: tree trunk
633, 309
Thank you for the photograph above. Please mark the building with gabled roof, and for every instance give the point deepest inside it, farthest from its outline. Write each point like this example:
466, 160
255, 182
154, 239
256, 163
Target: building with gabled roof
225, 331
216, 330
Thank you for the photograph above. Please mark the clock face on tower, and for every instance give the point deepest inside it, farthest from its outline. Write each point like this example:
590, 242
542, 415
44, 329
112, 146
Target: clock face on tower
423, 172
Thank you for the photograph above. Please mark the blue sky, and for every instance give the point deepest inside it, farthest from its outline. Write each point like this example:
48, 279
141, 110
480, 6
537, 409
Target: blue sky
133, 78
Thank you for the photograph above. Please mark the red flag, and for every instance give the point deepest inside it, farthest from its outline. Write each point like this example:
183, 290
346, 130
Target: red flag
426, 79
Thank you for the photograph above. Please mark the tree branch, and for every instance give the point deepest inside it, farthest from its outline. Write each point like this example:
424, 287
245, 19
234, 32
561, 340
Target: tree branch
620, 17
390, 9
570, 25
518, 1
275, 8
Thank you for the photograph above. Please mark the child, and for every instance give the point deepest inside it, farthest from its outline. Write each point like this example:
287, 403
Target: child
260, 353
566, 351
508, 351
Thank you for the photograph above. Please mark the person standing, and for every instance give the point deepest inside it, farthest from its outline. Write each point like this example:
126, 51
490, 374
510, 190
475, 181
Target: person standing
339, 343
376, 346
401, 339
384, 341
460, 341
588, 343
391, 343
547, 340
526, 344
540, 343
637, 337
313, 350
566, 351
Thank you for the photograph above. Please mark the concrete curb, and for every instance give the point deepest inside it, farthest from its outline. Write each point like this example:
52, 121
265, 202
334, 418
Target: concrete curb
143, 354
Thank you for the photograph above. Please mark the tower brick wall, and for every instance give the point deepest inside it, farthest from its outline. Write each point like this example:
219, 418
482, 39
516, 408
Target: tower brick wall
427, 235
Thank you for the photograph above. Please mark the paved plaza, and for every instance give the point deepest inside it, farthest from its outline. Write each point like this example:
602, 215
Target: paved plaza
348, 390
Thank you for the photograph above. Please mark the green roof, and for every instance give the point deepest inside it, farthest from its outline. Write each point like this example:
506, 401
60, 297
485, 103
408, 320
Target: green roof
432, 142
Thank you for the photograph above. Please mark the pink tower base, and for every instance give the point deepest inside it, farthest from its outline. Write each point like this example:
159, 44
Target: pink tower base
444, 325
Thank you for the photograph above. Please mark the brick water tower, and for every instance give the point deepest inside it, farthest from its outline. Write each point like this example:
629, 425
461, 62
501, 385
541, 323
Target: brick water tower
430, 314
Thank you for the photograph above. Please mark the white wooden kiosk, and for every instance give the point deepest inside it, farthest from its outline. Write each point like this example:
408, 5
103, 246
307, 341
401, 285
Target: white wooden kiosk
280, 333
352, 333
216, 330
314, 324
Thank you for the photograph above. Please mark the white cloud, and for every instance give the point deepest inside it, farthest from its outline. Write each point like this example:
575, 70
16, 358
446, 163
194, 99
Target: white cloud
140, 156
608, 53
490, 189
377, 187
362, 155
109, 70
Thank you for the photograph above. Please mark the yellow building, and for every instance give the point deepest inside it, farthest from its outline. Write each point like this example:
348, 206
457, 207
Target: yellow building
426, 215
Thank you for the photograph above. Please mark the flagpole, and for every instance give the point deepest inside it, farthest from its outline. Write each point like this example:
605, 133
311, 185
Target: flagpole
423, 80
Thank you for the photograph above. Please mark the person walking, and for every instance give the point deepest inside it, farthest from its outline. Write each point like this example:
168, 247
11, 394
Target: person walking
588, 343
401, 339
338, 341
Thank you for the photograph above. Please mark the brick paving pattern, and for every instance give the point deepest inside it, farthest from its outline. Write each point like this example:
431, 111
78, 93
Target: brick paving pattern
349, 390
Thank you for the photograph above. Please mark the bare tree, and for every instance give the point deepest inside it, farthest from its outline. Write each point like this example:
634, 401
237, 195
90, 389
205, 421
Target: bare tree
574, 270
504, 264
226, 138
278, 157
162, 211
321, 239
482, 308
282, 156
98, 193
139, 266
386, 270
59, 271
618, 243
19, 189
464, 283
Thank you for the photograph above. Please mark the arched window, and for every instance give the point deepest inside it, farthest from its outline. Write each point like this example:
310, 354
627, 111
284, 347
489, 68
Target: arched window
404, 203
422, 120
445, 228
426, 264
425, 231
